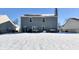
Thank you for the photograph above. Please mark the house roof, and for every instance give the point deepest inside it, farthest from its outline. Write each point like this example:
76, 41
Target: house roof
71, 20
38, 15
74, 18
5, 18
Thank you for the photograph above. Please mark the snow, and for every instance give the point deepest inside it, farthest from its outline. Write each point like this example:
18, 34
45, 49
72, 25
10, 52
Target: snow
39, 41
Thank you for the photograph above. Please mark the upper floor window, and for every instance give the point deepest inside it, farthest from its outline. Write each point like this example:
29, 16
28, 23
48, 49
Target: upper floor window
43, 19
30, 19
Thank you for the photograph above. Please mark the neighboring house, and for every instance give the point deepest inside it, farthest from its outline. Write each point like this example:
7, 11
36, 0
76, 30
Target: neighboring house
6, 25
39, 23
72, 25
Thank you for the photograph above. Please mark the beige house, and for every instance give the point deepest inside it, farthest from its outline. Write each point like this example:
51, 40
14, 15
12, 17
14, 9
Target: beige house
6, 25
71, 25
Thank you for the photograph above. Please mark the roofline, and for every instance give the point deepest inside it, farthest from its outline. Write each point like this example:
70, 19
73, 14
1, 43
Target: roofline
40, 16
67, 21
12, 22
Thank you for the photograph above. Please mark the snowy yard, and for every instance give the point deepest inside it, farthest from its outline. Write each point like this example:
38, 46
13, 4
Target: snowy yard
42, 41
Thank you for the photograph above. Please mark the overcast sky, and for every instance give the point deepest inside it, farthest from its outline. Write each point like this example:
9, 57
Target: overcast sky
64, 13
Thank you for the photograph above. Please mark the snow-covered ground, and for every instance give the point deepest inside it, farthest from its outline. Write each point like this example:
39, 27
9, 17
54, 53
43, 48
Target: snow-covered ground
43, 41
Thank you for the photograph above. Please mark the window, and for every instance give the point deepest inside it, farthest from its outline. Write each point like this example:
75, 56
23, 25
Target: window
43, 19
30, 19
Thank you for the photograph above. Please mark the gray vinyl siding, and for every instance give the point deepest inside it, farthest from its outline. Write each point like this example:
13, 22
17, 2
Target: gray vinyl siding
50, 22
6, 25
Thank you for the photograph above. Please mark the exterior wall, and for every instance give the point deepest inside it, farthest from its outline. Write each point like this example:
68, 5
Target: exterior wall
6, 27
50, 22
